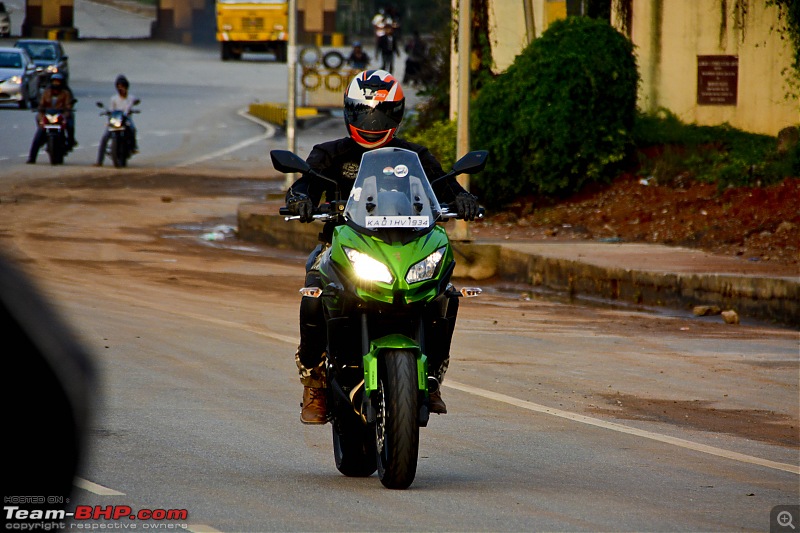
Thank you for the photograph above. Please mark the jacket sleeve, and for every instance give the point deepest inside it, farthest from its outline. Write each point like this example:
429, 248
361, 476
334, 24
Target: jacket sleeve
327, 159
308, 184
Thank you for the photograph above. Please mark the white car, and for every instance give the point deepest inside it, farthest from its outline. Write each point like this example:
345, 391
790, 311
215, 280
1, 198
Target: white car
19, 78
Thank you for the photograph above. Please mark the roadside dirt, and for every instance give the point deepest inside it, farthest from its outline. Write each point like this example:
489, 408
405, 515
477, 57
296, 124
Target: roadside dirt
133, 229
756, 224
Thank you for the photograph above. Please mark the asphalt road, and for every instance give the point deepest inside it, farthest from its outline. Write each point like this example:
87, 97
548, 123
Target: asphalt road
562, 417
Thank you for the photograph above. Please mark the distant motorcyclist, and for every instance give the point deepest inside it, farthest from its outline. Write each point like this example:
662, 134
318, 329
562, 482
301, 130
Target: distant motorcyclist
122, 101
374, 105
58, 98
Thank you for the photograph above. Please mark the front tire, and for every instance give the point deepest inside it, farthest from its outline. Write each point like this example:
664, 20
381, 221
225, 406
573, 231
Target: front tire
55, 149
397, 431
118, 156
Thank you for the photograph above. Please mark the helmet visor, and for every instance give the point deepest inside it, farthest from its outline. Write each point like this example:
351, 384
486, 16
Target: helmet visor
373, 116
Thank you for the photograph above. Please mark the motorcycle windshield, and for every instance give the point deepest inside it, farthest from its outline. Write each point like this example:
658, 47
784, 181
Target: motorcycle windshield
391, 191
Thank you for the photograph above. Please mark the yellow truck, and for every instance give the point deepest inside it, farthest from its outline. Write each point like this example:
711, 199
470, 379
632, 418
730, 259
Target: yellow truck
252, 26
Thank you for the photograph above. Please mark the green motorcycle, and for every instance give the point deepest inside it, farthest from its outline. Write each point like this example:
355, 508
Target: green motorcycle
385, 279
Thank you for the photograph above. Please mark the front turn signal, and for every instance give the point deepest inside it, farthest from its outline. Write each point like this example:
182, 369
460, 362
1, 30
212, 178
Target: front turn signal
311, 292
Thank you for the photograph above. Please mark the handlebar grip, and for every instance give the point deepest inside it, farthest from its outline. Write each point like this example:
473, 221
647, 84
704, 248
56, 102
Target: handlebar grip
284, 211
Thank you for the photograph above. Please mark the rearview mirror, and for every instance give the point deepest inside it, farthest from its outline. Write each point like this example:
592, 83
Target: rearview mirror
471, 163
288, 162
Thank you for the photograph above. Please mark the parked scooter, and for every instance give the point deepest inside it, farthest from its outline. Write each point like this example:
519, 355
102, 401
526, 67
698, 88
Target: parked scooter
385, 281
120, 145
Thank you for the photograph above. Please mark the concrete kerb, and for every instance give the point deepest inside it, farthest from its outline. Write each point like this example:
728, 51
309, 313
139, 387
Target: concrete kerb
764, 298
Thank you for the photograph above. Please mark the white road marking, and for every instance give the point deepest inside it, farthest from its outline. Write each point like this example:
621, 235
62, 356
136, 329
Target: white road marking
795, 469
94, 488
268, 133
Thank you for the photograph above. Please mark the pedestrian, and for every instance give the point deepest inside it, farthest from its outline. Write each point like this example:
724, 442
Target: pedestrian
387, 44
358, 58
416, 51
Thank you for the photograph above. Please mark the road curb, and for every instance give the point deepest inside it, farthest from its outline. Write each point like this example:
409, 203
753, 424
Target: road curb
775, 299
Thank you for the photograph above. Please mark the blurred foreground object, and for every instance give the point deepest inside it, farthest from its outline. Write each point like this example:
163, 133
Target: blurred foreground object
49, 386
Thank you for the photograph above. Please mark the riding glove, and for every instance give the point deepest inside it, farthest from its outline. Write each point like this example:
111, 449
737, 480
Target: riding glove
301, 205
467, 206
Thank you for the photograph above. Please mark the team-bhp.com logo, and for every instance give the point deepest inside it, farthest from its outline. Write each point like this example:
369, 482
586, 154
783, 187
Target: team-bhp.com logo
92, 512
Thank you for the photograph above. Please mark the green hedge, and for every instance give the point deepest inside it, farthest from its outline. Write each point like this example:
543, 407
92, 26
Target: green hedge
723, 155
560, 116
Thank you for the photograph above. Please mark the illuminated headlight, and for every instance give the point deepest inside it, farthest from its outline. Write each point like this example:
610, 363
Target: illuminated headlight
426, 268
368, 268
115, 122
52, 119
52, 69
278, 27
16, 80
227, 27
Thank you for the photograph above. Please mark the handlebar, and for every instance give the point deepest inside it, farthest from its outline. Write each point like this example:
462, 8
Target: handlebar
323, 212
446, 214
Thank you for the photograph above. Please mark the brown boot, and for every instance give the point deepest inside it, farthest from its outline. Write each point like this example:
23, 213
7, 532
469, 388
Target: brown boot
315, 411
436, 404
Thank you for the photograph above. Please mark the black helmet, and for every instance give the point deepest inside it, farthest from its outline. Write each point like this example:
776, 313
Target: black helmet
373, 108
57, 81
122, 80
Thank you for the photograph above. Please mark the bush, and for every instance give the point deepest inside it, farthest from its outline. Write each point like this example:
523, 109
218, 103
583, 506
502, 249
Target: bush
560, 116
672, 152
439, 138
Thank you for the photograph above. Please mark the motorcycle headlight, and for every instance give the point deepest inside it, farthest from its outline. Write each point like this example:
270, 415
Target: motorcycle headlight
426, 268
116, 122
52, 69
367, 268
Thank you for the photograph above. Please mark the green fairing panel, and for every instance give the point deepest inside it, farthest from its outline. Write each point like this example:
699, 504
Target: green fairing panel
394, 341
398, 258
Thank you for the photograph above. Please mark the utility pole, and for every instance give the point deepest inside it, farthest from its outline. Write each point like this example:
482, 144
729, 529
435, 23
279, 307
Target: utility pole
461, 230
291, 105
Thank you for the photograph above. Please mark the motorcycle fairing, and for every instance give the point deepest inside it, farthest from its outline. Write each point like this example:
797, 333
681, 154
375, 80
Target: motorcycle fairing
398, 258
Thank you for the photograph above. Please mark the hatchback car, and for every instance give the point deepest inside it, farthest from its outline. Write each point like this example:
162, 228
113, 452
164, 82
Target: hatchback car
48, 54
19, 78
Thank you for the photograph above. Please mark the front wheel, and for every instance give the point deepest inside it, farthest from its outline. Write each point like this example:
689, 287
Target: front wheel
119, 155
397, 431
56, 149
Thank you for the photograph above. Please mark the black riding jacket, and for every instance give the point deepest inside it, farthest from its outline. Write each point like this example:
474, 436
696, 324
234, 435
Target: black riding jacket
339, 160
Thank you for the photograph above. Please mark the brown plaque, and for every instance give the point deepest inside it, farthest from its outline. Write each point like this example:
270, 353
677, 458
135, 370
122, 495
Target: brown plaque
717, 80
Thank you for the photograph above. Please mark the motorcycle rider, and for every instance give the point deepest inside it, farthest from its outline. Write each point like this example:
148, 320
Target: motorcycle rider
122, 101
55, 97
374, 105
